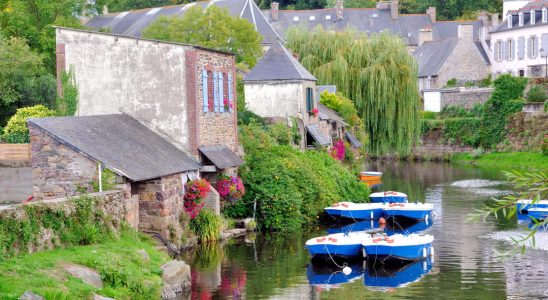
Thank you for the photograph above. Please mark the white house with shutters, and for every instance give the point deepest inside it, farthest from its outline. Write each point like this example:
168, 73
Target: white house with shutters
520, 43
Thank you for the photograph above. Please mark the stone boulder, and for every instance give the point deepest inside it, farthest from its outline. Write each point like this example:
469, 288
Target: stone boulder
28, 295
144, 255
89, 276
176, 279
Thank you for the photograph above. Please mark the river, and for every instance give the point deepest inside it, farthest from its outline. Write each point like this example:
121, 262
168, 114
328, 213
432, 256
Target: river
472, 259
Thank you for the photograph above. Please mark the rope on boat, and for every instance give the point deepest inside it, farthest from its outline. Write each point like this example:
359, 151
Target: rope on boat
344, 265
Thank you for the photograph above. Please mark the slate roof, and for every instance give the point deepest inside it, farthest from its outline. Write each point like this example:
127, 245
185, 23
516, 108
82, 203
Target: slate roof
354, 142
328, 114
318, 136
432, 55
278, 64
536, 5
368, 20
121, 143
221, 156
132, 23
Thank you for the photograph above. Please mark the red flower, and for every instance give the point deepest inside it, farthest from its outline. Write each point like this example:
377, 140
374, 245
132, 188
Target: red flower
230, 188
315, 112
196, 191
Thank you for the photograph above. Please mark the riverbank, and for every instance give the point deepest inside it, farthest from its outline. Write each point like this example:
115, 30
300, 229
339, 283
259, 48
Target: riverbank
528, 160
129, 267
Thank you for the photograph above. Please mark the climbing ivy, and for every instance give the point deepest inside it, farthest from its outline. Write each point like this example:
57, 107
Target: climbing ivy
67, 104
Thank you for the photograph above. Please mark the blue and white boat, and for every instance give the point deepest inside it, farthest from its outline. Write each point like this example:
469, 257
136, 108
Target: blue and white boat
523, 206
382, 277
398, 246
538, 213
416, 211
388, 197
355, 211
358, 226
338, 244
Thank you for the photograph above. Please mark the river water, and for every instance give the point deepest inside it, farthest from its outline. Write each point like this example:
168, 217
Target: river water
473, 260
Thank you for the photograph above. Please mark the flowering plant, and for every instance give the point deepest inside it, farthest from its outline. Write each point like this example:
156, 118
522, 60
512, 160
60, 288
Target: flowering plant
315, 112
196, 191
230, 188
338, 150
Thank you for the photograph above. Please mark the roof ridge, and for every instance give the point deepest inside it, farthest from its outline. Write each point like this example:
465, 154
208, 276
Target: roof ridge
293, 60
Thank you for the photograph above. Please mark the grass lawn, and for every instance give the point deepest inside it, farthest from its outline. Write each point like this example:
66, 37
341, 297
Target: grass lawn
125, 274
529, 160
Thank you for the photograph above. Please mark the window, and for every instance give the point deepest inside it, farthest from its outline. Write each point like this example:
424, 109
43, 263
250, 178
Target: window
309, 100
521, 73
295, 19
312, 18
225, 101
544, 15
509, 21
205, 93
532, 45
328, 17
520, 20
510, 50
498, 50
533, 16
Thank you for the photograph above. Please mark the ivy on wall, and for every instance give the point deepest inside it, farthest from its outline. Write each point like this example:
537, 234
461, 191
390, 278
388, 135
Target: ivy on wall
67, 102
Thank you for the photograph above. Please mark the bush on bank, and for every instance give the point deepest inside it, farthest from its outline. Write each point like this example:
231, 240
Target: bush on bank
290, 187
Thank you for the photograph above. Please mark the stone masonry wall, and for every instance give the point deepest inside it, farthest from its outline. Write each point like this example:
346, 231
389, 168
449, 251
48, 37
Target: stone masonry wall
465, 97
215, 128
160, 204
58, 170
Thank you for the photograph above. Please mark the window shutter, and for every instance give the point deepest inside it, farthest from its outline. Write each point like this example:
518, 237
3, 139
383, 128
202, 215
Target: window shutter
545, 41
204, 90
308, 100
221, 93
504, 49
216, 91
230, 96
497, 49
535, 47
521, 47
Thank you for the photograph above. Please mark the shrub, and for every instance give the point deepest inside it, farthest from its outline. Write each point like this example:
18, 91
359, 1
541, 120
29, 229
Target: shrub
464, 130
454, 112
206, 225
428, 115
16, 130
505, 100
246, 117
487, 81
537, 93
451, 83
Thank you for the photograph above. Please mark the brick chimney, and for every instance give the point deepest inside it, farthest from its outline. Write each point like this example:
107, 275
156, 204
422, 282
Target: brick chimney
431, 11
466, 31
494, 20
394, 9
425, 35
275, 11
339, 9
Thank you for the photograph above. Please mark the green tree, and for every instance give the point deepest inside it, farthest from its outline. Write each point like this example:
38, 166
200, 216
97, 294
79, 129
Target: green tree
376, 72
505, 100
16, 131
125, 5
354, 3
23, 78
214, 28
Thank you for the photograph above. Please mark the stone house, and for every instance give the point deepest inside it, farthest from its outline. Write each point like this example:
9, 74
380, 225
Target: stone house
460, 58
183, 93
69, 153
279, 88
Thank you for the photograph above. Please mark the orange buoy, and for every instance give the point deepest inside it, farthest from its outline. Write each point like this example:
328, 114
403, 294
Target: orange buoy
382, 220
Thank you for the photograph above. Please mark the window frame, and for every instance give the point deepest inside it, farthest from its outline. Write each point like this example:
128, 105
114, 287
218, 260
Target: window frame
510, 49
533, 16
520, 19
544, 15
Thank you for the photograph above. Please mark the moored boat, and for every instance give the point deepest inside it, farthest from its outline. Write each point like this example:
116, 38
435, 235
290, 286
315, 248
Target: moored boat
538, 213
398, 246
523, 206
356, 211
338, 244
388, 197
371, 178
416, 211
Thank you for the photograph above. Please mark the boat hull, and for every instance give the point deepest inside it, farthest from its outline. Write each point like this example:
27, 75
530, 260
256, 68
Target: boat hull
335, 250
411, 252
523, 206
410, 214
538, 213
333, 212
388, 197
362, 214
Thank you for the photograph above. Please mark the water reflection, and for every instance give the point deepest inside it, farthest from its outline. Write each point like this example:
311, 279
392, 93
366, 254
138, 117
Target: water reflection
467, 265
382, 277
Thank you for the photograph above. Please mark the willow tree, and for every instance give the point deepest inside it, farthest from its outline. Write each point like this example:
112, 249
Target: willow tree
376, 72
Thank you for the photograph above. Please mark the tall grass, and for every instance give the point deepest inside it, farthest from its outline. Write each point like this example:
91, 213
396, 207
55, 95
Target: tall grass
207, 225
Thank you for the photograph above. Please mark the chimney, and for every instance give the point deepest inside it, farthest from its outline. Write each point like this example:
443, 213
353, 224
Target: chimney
339, 9
105, 10
466, 31
394, 9
431, 11
425, 35
494, 20
274, 11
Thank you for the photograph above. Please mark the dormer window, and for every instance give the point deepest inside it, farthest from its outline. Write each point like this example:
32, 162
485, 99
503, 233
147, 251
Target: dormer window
533, 17
509, 21
544, 15
520, 19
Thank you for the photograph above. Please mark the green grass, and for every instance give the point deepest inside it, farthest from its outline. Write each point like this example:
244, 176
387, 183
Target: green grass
125, 274
528, 160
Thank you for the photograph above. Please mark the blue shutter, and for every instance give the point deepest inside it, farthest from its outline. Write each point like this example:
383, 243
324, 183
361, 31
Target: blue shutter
215, 91
521, 47
230, 96
204, 90
544, 41
221, 93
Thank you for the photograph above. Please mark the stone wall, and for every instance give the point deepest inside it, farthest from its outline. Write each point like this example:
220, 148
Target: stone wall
58, 170
112, 203
525, 132
160, 205
465, 97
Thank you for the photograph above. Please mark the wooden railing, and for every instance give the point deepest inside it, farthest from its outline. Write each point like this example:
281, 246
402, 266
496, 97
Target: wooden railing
19, 152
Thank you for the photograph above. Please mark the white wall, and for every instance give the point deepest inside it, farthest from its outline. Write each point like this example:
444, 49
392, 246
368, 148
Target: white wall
432, 101
143, 79
513, 66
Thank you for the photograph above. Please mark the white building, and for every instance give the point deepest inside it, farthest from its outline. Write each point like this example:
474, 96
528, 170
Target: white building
520, 43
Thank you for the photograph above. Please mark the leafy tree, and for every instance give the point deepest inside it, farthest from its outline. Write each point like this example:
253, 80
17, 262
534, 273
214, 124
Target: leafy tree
214, 28
354, 3
505, 100
376, 72
16, 131
23, 78
125, 5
